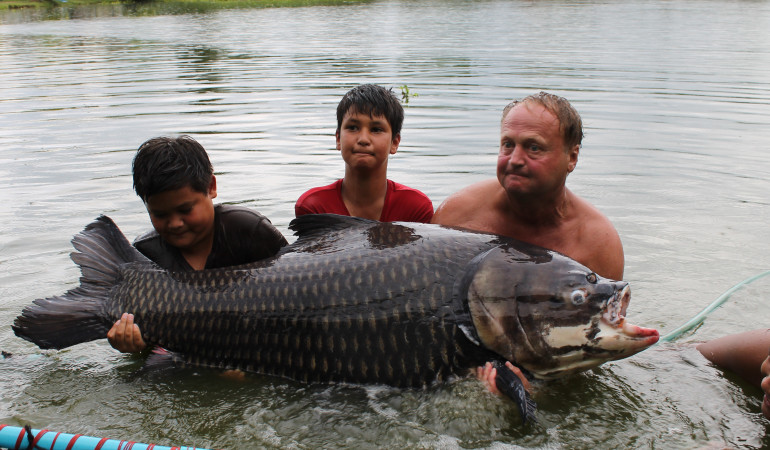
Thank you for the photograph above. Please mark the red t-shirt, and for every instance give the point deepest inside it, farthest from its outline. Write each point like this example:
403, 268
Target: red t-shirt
402, 203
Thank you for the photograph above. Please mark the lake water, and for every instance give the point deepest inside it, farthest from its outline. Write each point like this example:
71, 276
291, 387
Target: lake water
675, 98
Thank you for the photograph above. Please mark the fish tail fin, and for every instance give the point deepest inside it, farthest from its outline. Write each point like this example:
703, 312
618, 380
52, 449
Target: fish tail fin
509, 384
80, 315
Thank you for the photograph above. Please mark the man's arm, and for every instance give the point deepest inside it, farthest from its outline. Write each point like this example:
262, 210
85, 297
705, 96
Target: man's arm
599, 247
765, 385
609, 261
742, 353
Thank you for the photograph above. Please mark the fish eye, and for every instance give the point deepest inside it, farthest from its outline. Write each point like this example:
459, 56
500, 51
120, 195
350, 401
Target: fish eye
578, 297
592, 278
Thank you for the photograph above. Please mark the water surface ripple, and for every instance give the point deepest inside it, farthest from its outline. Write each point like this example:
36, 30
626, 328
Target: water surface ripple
675, 98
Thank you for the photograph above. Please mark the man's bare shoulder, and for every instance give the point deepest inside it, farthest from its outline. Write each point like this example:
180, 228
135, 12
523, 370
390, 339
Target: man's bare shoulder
598, 243
594, 221
474, 199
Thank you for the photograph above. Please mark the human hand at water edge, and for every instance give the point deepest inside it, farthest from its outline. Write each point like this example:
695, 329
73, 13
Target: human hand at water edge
125, 336
765, 385
487, 373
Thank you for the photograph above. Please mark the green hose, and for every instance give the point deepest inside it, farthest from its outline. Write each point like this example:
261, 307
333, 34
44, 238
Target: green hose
701, 316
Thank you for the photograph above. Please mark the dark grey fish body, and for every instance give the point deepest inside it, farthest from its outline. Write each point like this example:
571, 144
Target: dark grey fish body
371, 303
353, 300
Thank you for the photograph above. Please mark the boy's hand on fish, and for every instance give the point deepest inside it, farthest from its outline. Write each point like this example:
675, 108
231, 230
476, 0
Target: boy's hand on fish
125, 336
487, 373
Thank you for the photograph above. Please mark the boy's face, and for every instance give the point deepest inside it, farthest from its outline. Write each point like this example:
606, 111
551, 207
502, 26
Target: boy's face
366, 142
184, 218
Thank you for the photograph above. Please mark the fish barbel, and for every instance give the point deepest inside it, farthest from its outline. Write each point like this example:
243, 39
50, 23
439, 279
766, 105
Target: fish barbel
353, 300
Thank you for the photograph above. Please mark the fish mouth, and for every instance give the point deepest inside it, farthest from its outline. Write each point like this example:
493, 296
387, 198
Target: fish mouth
615, 313
609, 338
615, 317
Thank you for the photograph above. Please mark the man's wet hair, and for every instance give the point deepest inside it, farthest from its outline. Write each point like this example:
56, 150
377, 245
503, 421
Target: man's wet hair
570, 123
164, 164
373, 100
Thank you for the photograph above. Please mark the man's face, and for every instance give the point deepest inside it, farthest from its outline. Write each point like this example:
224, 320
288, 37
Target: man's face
183, 217
533, 160
366, 142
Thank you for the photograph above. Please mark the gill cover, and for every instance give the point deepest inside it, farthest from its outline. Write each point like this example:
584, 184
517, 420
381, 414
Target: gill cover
493, 278
536, 308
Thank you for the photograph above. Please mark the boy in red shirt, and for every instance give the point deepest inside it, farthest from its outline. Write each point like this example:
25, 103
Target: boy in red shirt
369, 119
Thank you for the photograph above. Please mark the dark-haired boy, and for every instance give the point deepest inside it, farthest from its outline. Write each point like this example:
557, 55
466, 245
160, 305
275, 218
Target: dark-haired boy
175, 180
369, 119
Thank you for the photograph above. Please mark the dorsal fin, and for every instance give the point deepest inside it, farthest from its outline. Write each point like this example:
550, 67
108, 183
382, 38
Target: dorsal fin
314, 225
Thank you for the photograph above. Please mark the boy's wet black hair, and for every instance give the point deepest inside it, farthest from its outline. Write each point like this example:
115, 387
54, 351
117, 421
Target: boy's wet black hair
375, 101
163, 164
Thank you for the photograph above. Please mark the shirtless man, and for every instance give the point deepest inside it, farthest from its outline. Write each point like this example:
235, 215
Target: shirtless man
540, 139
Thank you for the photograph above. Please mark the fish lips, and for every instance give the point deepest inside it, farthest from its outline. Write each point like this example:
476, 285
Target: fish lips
633, 337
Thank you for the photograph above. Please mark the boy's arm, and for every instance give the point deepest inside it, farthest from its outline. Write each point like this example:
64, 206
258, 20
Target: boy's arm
125, 335
300, 210
255, 236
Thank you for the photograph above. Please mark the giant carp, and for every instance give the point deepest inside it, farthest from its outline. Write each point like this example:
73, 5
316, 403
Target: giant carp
353, 300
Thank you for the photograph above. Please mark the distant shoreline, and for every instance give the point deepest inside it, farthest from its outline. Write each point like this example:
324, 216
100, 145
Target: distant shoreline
6, 5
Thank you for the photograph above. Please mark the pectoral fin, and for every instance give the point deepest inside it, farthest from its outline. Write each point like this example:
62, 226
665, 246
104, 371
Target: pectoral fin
509, 384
